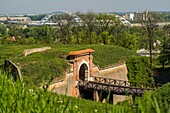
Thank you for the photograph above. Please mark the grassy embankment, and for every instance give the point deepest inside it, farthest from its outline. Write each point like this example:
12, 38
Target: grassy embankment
38, 66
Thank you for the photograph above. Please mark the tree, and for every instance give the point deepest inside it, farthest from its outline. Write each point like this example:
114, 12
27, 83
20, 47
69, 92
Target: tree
164, 57
89, 23
65, 25
105, 38
106, 22
139, 70
2, 29
148, 22
129, 41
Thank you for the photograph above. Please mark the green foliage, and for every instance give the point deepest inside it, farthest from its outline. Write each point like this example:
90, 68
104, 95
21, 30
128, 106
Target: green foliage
95, 28
38, 35
108, 55
157, 101
151, 104
37, 17
164, 57
129, 41
164, 92
52, 63
105, 30
139, 70
105, 38
2, 29
18, 97
44, 65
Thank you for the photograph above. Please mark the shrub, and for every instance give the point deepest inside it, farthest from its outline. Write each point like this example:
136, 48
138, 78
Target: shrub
139, 70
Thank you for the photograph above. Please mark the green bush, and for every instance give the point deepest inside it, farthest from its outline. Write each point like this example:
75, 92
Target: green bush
157, 101
164, 92
139, 70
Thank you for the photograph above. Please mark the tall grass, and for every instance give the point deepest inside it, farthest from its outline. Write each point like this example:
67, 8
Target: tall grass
16, 97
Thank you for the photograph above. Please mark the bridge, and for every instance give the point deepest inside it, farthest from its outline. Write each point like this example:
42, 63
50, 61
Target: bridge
49, 19
58, 17
114, 86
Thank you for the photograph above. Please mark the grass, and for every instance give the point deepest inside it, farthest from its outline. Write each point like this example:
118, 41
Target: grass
53, 63
17, 97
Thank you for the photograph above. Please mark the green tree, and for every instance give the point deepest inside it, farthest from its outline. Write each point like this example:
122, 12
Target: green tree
148, 22
130, 41
164, 57
105, 38
89, 23
106, 22
139, 70
2, 29
65, 29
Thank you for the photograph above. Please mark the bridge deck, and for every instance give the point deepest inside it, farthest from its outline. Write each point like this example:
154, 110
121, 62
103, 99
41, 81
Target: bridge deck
113, 86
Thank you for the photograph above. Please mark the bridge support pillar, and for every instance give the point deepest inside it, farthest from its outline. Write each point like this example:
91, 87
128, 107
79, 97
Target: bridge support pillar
95, 96
90, 64
120, 98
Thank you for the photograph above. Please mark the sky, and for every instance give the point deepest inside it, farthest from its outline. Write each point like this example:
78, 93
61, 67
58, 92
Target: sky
48, 6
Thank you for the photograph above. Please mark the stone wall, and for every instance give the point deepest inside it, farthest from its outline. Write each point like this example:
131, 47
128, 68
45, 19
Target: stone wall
120, 98
66, 87
30, 51
118, 72
10, 67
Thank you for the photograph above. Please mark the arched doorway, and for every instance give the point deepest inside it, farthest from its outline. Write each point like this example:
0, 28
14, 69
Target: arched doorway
83, 72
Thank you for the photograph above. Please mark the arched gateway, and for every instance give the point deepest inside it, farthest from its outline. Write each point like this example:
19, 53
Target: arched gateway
80, 70
82, 63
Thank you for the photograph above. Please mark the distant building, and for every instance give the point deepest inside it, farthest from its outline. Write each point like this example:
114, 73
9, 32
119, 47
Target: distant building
129, 16
15, 19
136, 16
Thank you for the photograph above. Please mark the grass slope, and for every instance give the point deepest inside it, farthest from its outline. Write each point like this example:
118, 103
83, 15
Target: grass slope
38, 66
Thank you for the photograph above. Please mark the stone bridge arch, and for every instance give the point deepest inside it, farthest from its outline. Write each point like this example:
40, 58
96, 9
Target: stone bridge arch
82, 63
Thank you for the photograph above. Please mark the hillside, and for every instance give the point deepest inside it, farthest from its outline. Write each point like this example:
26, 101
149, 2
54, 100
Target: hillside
53, 63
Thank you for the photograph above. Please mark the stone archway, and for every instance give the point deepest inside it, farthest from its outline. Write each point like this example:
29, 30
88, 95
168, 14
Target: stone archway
82, 68
81, 61
83, 72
